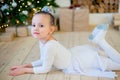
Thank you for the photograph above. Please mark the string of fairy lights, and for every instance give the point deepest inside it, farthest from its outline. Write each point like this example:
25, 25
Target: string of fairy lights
4, 26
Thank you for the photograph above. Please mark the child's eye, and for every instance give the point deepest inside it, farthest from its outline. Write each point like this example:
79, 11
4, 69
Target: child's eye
33, 25
41, 25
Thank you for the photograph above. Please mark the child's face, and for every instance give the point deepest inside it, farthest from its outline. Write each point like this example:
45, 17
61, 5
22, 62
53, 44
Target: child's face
41, 26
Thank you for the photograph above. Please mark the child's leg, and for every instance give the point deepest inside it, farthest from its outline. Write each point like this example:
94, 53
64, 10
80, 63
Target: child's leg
98, 33
110, 64
110, 51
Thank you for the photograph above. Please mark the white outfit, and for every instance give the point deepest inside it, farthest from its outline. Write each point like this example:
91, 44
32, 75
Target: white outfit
86, 61
82, 60
52, 54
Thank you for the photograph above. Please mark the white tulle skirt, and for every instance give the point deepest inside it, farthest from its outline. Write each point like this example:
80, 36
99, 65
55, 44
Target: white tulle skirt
85, 60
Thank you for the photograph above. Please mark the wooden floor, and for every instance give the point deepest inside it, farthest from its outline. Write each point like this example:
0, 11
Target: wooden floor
25, 50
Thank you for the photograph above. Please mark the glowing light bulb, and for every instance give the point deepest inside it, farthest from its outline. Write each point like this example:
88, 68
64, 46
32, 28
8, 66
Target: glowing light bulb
48, 3
38, 1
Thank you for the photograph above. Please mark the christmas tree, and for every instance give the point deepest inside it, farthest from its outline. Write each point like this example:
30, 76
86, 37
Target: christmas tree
16, 12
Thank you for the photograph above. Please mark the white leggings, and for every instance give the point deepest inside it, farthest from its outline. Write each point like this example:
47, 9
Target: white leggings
113, 60
110, 64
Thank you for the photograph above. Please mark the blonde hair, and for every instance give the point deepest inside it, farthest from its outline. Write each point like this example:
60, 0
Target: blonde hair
47, 13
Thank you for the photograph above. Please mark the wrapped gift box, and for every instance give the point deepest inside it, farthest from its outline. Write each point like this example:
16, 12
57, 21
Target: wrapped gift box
29, 30
81, 20
117, 23
116, 16
11, 30
8, 36
116, 19
66, 19
22, 31
74, 19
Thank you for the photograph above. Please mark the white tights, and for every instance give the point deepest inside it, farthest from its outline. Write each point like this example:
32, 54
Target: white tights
97, 36
113, 60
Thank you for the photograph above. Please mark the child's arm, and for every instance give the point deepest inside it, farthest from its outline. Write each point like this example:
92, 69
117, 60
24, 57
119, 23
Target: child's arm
37, 63
21, 66
47, 60
24, 69
21, 71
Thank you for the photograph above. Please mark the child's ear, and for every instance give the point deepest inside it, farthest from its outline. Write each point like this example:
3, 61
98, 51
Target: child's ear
52, 29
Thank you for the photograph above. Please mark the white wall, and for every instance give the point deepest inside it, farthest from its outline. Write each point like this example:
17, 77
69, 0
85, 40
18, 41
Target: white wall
119, 6
98, 18
63, 3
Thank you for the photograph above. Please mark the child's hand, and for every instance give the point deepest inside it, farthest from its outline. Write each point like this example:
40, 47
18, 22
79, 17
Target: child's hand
16, 71
16, 67
21, 69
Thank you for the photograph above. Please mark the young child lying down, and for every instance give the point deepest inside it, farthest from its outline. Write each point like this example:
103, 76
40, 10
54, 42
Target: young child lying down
83, 60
